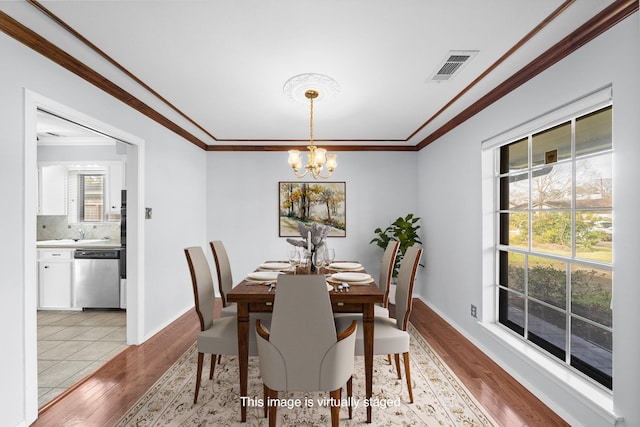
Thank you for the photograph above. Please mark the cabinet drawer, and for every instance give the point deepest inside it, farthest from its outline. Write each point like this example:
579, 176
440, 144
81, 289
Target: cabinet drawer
55, 254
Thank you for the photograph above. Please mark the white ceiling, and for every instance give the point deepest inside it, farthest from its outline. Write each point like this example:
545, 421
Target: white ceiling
224, 63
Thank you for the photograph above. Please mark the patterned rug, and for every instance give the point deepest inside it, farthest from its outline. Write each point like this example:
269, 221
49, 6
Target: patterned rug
440, 399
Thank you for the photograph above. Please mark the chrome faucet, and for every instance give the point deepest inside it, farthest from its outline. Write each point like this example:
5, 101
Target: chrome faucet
81, 234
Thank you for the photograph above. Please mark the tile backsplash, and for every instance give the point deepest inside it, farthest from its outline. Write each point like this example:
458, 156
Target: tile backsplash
57, 227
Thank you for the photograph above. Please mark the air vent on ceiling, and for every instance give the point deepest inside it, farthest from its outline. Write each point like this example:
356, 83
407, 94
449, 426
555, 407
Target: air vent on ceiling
452, 64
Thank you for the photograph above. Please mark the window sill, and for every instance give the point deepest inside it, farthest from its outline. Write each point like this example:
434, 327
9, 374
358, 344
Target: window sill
584, 390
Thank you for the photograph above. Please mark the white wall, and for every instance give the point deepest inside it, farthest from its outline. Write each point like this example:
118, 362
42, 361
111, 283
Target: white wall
175, 184
175, 189
78, 153
242, 203
451, 206
11, 225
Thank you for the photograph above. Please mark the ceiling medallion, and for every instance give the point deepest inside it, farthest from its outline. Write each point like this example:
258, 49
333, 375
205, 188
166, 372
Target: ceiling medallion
296, 87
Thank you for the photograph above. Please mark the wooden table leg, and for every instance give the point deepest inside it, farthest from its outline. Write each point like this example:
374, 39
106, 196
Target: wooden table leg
367, 323
243, 355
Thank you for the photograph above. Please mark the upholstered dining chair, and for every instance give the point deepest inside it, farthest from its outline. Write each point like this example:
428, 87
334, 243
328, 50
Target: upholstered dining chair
225, 278
386, 271
384, 282
387, 266
302, 352
390, 335
225, 283
217, 336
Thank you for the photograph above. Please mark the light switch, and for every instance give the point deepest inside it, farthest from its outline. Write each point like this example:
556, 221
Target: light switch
147, 213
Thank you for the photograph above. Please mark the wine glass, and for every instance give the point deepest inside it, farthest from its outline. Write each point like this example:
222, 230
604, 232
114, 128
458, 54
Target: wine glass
318, 261
294, 257
330, 255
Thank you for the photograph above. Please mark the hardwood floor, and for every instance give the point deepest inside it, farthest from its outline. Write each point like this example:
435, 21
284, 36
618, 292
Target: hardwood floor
103, 397
508, 402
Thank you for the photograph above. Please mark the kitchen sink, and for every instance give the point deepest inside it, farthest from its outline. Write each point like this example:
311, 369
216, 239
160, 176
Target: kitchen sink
68, 241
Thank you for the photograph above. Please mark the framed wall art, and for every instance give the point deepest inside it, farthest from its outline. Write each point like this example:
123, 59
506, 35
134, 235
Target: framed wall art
307, 202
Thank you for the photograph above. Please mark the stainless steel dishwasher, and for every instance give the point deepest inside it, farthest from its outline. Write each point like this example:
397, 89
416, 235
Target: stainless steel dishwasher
96, 278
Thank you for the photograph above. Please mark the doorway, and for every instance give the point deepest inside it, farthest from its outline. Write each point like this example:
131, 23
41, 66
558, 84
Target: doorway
135, 233
81, 183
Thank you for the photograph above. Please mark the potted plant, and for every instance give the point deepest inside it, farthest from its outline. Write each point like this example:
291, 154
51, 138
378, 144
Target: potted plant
405, 231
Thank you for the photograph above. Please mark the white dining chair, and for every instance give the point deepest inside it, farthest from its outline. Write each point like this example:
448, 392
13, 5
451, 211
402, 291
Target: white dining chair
302, 352
390, 335
217, 336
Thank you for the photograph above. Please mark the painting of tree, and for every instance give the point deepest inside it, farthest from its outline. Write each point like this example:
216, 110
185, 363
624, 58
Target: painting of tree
307, 202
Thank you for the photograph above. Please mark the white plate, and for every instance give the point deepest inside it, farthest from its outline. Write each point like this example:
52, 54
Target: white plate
275, 265
345, 265
351, 277
359, 282
263, 275
329, 287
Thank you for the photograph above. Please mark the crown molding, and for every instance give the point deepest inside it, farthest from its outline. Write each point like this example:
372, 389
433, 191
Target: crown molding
274, 147
605, 20
609, 17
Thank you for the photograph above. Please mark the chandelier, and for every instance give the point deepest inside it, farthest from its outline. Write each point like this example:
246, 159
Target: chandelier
317, 158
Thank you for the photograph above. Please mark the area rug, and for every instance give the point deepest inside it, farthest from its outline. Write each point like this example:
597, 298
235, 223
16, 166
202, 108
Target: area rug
440, 399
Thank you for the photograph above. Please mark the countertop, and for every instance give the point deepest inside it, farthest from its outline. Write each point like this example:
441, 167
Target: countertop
77, 244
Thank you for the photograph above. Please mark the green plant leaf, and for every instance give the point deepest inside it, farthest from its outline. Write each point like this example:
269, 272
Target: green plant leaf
404, 230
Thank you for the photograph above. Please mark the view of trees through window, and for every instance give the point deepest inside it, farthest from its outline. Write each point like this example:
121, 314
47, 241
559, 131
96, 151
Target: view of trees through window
555, 215
91, 196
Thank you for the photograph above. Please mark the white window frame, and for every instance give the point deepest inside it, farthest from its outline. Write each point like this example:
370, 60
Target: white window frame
555, 370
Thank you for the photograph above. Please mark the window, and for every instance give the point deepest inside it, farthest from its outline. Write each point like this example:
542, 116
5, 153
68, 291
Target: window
87, 196
91, 198
555, 222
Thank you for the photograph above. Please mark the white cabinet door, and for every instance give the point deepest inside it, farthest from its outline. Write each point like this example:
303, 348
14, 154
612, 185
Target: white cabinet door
55, 278
116, 180
53, 190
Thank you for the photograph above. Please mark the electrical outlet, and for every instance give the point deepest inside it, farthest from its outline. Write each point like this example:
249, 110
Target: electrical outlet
474, 311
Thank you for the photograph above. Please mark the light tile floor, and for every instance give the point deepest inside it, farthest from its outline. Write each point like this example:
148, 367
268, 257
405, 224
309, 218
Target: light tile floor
73, 344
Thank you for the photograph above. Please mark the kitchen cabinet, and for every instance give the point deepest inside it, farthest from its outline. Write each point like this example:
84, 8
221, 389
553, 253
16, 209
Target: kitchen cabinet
58, 188
55, 280
52, 197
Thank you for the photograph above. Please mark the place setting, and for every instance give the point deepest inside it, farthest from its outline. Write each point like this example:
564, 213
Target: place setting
275, 266
345, 266
262, 277
350, 278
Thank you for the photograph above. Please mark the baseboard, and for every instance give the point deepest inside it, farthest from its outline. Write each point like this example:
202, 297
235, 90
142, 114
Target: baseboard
172, 319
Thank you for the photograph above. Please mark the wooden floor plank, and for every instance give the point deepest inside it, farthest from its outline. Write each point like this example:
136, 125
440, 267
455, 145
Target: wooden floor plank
104, 396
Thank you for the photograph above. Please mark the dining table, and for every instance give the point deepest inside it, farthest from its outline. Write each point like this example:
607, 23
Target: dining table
252, 298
